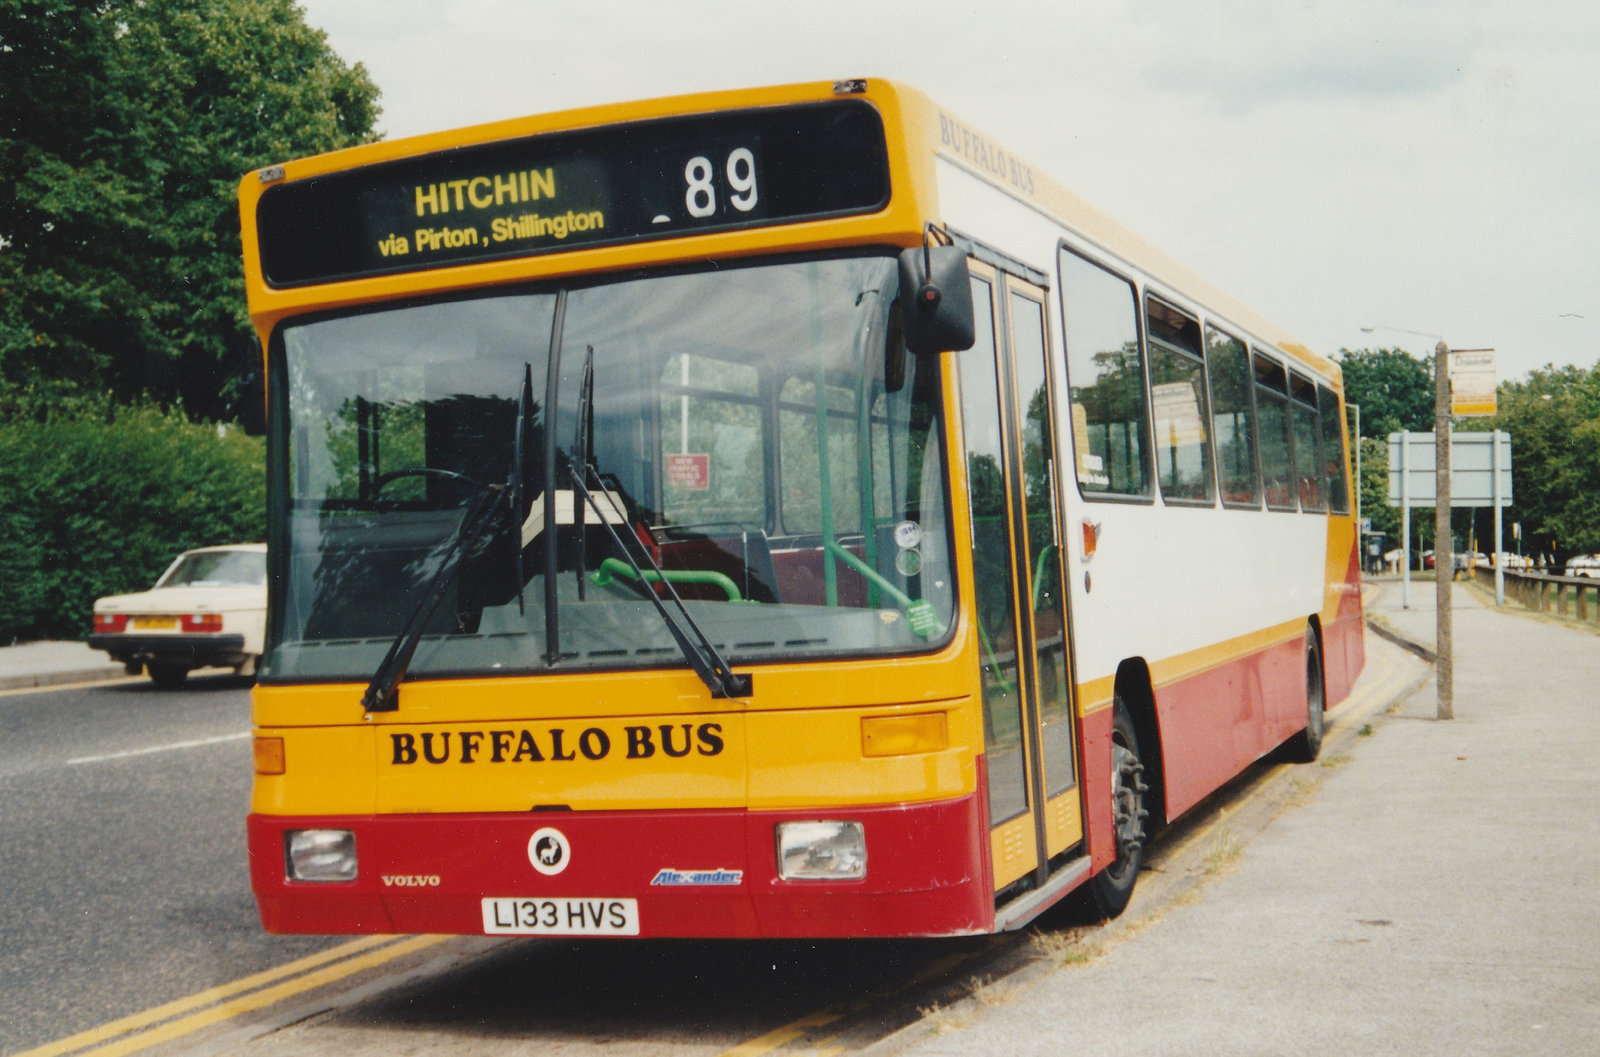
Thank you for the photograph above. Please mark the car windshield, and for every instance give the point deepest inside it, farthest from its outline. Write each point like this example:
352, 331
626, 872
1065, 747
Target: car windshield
753, 436
216, 568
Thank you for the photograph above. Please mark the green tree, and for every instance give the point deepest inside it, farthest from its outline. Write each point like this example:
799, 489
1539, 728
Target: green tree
1553, 417
125, 126
97, 499
1394, 389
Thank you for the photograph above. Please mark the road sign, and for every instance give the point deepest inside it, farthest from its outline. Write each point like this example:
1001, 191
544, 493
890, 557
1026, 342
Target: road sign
1473, 467
1472, 384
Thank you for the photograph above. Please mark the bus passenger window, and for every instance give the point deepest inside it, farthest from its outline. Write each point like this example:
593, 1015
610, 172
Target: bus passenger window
1233, 419
1333, 450
1178, 404
1308, 467
1105, 377
1272, 409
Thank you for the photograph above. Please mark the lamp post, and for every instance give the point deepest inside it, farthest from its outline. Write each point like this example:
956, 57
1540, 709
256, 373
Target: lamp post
1444, 562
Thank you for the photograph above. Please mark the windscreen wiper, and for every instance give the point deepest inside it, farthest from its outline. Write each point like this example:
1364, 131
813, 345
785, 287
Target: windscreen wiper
382, 693
518, 454
701, 653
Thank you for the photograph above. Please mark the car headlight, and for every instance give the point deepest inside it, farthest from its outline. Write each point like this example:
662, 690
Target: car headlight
822, 851
321, 854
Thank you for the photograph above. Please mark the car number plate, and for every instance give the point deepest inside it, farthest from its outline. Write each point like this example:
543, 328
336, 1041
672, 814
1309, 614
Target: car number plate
156, 623
560, 917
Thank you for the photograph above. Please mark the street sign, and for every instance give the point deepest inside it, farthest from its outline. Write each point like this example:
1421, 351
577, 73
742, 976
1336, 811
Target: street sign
1473, 467
1472, 384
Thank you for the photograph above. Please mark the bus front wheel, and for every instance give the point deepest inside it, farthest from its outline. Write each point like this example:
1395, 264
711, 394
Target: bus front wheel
1111, 888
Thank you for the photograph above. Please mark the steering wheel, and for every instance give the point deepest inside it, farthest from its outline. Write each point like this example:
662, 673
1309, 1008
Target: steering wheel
383, 479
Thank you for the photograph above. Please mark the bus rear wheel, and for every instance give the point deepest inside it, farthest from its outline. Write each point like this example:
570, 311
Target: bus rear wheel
1306, 746
1112, 888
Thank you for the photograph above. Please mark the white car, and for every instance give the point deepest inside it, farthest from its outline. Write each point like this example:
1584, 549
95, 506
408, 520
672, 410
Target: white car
209, 609
1584, 565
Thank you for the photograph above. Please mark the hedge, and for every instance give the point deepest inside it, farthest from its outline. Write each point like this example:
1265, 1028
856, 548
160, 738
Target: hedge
97, 499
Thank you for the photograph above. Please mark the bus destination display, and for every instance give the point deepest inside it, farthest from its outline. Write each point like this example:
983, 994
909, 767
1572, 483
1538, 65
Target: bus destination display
543, 194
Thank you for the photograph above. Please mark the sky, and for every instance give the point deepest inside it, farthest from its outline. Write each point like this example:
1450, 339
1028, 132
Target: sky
1429, 169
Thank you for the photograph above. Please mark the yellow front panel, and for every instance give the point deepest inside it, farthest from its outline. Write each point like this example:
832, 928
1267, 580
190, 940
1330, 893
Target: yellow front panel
761, 760
677, 761
804, 758
327, 770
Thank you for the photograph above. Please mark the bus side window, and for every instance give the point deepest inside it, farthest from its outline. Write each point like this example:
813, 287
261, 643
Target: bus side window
1178, 403
1308, 465
1272, 410
1233, 419
1105, 377
1333, 450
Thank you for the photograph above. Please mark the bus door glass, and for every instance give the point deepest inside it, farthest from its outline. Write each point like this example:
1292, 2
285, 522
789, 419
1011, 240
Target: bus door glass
1045, 605
1021, 620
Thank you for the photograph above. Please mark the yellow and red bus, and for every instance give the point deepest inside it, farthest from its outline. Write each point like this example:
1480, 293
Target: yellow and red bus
772, 513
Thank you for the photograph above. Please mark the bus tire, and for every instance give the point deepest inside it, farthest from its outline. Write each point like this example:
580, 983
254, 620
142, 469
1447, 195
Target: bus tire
1305, 746
1111, 888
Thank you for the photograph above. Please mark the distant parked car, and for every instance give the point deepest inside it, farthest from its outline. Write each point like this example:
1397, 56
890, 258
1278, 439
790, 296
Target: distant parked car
1584, 565
208, 610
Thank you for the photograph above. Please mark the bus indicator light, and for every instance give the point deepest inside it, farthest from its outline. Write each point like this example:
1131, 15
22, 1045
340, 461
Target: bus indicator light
904, 735
268, 754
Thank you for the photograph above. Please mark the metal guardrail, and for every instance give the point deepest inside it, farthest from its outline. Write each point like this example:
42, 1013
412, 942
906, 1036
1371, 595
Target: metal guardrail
1561, 596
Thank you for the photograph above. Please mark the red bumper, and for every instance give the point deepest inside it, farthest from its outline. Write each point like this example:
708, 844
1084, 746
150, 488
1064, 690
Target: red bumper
926, 872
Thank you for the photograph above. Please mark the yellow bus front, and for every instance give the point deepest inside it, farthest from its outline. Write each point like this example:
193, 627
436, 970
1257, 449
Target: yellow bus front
615, 563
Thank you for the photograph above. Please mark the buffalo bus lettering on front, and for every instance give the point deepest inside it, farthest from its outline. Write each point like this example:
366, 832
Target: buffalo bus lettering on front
555, 745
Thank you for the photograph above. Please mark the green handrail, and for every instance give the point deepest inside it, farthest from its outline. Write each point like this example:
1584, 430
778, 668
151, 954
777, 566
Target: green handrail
1038, 574
611, 568
920, 615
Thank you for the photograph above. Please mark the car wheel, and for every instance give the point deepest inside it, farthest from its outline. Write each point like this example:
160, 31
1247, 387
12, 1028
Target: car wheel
166, 675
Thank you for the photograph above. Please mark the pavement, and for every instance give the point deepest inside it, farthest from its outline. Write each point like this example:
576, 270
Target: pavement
54, 663
1434, 893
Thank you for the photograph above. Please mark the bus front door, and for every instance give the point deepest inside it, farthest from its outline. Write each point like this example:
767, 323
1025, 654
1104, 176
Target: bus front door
1007, 399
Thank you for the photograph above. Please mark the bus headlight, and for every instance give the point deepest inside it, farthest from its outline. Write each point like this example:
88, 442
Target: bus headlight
822, 851
321, 854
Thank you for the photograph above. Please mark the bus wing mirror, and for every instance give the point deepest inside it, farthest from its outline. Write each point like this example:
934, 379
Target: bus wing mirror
936, 299
250, 391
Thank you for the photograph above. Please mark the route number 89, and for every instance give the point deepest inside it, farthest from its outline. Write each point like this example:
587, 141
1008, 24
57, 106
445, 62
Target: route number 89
700, 199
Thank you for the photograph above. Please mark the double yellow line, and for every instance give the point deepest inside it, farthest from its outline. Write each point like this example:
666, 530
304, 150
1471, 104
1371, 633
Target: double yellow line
187, 1015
